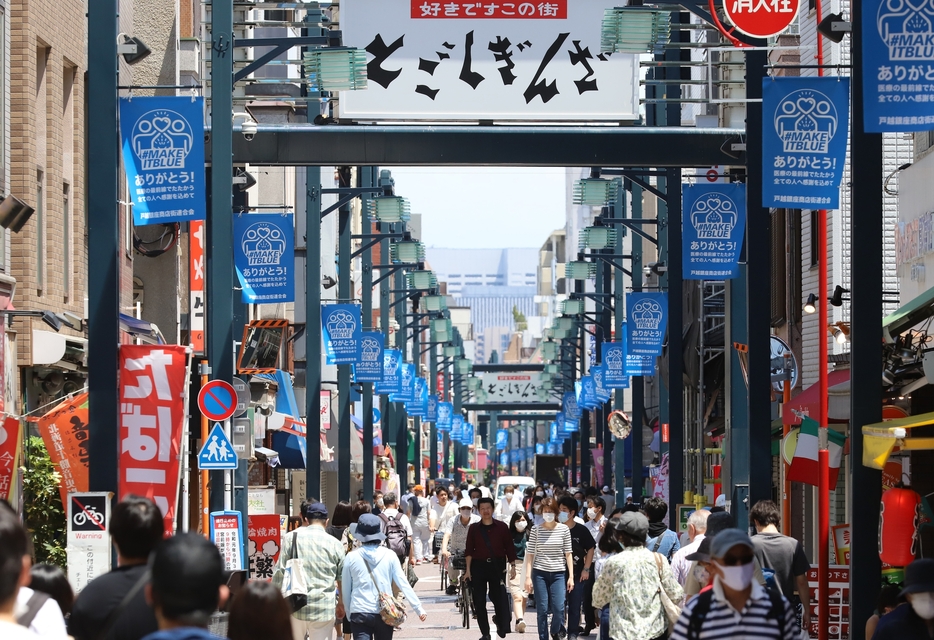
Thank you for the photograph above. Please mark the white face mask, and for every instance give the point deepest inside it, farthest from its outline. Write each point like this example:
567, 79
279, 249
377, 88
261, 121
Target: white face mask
540, 494
508, 496
548, 516
737, 578
923, 604
591, 513
475, 501
521, 525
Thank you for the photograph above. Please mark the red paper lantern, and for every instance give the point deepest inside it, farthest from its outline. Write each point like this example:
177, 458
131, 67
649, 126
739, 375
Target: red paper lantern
899, 518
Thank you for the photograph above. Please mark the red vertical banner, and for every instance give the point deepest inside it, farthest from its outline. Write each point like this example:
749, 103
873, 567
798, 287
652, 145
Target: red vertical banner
65, 433
265, 541
152, 414
10, 435
196, 284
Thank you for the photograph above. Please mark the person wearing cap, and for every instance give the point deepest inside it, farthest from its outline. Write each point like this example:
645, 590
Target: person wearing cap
737, 607
609, 498
631, 583
322, 558
455, 540
186, 587
915, 621
366, 573
699, 564
697, 527
716, 522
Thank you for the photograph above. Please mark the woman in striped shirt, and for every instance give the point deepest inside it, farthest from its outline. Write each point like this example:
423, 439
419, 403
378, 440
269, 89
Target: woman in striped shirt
548, 563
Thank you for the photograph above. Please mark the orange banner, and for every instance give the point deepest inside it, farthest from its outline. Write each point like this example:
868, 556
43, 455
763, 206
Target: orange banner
10, 435
65, 433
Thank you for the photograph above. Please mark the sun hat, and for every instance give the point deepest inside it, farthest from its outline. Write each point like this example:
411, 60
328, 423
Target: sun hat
369, 528
919, 577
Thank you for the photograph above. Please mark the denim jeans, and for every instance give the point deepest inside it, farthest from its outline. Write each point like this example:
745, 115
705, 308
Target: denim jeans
369, 626
550, 588
605, 623
575, 599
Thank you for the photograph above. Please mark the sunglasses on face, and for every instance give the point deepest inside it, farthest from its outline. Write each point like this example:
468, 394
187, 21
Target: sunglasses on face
735, 561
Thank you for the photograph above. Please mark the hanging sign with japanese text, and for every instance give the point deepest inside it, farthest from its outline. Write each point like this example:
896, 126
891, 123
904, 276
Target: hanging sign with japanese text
163, 156
66, 433
598, 372
418, 408
226, 535
518, 386
614, 361
153, 412
445, 416
636, 365
265, 542
196, 309
342, 330
468, 436
457, 428
804, 132
646, 321
761, 18
392, 373
10, 436
465, 60
264, 256
569, 405
407, 391
898, 66
431, 408
502, 439
714, 221
88, 546
586, 393
369, 364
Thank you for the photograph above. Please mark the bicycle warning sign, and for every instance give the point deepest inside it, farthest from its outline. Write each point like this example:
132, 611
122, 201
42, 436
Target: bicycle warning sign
88, 512
88, 546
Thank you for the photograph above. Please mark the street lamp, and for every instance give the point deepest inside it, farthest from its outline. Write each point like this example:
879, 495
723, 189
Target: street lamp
473, 384
452, 351
596, 238
335, 69
811, 305
580, 270
421, 280
407, 252
388, 209
564, 323
463, 366
595, 192
840, 331
572, 307
635, 29
549, 350
435, 303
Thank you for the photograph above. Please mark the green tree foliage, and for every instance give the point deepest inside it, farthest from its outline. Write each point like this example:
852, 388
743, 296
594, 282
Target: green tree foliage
519, 318
45, 516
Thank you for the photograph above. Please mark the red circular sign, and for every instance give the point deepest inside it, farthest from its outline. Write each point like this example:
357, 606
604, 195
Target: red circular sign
761, 18
217, 400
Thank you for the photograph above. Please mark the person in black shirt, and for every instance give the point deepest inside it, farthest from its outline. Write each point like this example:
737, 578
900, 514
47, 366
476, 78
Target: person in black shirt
489, 546
582, 546
136, 527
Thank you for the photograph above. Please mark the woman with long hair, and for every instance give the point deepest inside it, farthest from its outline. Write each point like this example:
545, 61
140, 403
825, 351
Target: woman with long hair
549, 568
259, 611
520, 528
340, 519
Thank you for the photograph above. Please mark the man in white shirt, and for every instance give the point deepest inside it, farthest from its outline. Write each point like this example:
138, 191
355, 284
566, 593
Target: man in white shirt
391, 510
14, 573
443, 511
596, 513
508, 504
697, 528
420, 525
48, 622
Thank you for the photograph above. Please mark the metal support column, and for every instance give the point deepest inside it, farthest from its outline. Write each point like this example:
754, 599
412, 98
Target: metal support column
491, 440
344, 294
387, 419
399, 416
675, 345
865, 489
368, 177
313, 332
104, 244
433, 430
637, 383
415, 450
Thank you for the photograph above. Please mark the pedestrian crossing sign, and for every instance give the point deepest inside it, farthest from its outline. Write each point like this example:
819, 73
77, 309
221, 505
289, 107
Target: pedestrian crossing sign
217, 452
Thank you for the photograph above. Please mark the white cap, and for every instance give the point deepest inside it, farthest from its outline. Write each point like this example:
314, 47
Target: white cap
465, 503
720, 501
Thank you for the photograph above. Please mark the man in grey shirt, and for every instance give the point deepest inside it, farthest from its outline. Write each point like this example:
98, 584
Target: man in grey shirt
782, 555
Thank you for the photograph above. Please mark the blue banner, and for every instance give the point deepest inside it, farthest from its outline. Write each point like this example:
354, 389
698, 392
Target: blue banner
569, 405
392, 373
264, 257
599, 380
714, 221
502, 439
646, 320
369, 365
431, 410
898, 66
342, 330
553, 432
445, 416
407, 393
571, 426
614, 364
163, 155
586, 393
504, 459
418, 408
539, 448
468, 437
457, 429
804, 131
553, 449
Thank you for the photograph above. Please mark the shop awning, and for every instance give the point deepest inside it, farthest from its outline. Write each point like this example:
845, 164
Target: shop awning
880, 438
807, 402
908, 315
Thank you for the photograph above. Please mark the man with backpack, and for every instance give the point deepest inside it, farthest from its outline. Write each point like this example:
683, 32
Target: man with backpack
661, 539
397, 528
737, 606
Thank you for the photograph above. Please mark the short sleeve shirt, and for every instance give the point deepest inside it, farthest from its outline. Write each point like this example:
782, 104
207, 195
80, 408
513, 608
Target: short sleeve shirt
784, 555
581, 543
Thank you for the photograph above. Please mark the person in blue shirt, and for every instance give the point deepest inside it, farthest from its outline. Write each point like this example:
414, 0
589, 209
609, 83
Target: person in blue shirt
186, 587
661, 539
360, 595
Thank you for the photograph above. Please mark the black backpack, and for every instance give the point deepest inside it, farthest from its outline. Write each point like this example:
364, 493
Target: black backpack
702, 608
397, 540
416, 508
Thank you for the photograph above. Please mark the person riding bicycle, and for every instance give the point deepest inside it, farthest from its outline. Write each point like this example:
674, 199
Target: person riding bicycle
455, 543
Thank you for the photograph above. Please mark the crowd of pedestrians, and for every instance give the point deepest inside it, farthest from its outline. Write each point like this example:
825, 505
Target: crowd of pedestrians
623, 574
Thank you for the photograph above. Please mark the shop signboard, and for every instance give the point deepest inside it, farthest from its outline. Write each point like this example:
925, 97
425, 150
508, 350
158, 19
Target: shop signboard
517, 386
265, 542
838, 626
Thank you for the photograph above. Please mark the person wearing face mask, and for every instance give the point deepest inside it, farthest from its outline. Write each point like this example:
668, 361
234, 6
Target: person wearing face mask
582, 549
737, 606
631, 583
607, 547
508, 504
915, 621
475, 495
596, 523
549, 566
455, 542
519, 527
535, 511
537, 492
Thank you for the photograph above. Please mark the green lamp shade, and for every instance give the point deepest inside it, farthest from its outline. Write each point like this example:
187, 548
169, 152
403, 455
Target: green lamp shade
547, 385
407, 251
474, 383
481, 396
451, 352
335, 69
580, 270
564, 323
440, 324
388, 209
635, 30
546, 377
440, 336
572, 307
551, 368
421, 280
595, 192
561, 334
549, 350
463, 366
597, 238
435, 303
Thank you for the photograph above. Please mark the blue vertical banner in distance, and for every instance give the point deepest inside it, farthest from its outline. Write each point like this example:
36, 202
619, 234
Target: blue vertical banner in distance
805, 122
714, 221
163, 155
646, 321
369, 364
614, 365
392, 374
264, 256
342, 330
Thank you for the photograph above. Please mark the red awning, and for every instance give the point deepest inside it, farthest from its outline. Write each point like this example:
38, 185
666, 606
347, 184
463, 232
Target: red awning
807, 402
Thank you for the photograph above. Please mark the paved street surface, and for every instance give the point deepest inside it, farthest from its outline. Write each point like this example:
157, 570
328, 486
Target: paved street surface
444, 621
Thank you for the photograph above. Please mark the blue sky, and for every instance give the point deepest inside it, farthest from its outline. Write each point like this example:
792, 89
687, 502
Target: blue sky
484, 207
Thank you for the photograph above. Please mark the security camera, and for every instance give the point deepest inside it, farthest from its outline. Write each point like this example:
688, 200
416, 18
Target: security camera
248, 129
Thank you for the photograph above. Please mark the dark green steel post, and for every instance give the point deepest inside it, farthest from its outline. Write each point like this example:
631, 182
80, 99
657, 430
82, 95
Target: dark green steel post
313, 331
387, 419
369, 177
433, 430
345, 295
104, 245
399, 415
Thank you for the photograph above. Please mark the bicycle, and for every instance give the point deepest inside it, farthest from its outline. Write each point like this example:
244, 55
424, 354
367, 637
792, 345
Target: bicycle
465, 597
443, 563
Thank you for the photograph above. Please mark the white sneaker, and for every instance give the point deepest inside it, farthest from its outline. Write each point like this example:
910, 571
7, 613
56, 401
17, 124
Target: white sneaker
520, 626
